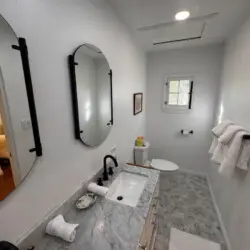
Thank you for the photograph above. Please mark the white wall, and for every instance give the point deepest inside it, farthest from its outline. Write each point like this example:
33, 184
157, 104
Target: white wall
53, 29
233, 196
163, 129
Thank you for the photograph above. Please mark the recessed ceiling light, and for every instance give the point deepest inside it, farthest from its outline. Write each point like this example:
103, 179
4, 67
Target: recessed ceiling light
182, 15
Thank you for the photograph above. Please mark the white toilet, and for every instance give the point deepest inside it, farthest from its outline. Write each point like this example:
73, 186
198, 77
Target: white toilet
164, 165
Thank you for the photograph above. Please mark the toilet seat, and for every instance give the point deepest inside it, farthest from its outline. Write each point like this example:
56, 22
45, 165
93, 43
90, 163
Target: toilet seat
164, 165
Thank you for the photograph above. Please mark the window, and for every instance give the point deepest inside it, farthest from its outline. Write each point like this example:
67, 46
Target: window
178, 93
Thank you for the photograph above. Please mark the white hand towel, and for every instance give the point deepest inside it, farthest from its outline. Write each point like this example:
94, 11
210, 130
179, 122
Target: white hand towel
213, 145
229, 133
58, 227
244, 158
223, 141
99, 190
231, 158
219, 153
220, 128
217, 132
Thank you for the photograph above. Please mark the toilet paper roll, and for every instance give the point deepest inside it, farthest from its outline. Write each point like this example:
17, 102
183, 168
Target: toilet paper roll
99, 190
185, 132
58, 227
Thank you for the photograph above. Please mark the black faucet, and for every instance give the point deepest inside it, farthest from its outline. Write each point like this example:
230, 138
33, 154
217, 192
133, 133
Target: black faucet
105, 173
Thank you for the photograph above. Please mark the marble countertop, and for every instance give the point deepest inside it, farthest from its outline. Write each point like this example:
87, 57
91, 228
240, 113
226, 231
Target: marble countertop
108, 225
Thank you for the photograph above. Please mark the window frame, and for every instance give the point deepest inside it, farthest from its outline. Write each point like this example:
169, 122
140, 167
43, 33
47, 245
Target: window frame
177, 108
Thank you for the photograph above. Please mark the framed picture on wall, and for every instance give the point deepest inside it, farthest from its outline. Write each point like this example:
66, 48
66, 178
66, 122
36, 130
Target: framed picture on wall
138, 102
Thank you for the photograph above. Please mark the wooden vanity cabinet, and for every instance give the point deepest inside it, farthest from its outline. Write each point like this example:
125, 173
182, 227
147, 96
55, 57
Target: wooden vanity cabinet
148, 236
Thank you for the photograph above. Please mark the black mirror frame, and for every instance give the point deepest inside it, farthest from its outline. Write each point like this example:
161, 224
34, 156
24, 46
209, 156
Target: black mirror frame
30, 94
72, 64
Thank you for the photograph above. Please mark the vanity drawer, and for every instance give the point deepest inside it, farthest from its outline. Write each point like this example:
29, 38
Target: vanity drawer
149, 231
152, 242
151, 227
147, 241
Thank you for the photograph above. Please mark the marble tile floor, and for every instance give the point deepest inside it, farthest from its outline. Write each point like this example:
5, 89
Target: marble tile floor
186, 204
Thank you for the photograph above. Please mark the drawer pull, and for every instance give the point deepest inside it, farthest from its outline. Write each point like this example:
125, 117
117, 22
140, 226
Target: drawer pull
143, 246
153, 221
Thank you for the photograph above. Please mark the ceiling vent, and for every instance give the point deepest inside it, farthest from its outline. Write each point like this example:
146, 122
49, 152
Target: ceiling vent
203, 18
183, 39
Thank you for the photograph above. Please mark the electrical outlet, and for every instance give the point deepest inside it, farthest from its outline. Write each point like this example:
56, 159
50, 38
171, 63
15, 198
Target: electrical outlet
26, 124
113, 151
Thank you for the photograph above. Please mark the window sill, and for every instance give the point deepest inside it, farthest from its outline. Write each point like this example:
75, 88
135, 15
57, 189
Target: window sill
176, 110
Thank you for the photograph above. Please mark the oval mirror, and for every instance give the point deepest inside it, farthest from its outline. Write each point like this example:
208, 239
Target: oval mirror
18, 129
91, 82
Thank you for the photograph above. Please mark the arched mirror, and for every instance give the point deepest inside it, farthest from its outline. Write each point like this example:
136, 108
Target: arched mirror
91, 84
19, 135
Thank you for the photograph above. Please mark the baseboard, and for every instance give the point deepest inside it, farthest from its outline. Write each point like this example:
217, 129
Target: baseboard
193, 172
223, 229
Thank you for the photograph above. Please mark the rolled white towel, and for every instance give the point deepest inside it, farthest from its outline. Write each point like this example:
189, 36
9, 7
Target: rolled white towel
99, 190
58, 227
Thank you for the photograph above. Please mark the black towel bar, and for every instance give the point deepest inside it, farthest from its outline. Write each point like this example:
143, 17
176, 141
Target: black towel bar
246, 137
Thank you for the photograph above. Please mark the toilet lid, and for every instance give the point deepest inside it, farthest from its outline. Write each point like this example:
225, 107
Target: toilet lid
164, 165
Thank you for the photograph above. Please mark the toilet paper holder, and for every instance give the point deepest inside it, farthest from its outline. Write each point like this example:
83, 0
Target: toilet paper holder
191, 132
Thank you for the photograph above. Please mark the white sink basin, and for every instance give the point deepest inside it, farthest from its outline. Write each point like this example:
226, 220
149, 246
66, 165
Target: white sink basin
129, 186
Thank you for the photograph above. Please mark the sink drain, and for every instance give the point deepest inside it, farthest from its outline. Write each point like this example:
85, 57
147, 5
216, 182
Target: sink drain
119, 198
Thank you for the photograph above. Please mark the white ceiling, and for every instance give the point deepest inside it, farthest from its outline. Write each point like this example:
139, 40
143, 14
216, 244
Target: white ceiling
140, 13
